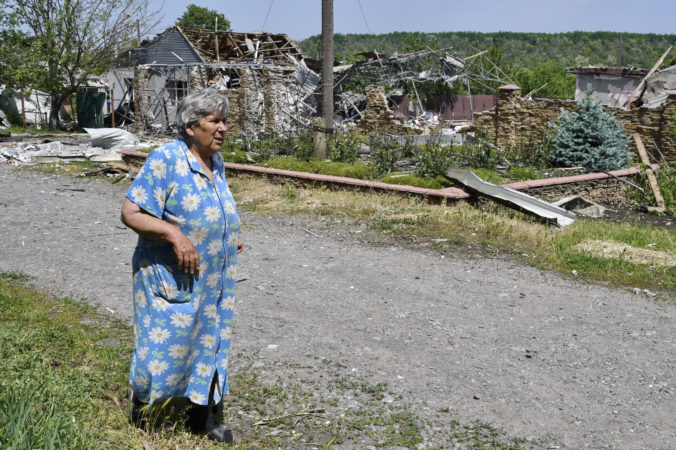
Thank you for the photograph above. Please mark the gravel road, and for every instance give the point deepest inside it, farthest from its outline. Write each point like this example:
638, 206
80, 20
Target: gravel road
560, 362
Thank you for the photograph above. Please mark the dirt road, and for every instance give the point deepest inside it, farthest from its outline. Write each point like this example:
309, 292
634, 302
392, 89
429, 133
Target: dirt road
557, 361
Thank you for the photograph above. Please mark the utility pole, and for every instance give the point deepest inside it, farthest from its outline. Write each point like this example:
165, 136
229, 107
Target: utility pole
327, 78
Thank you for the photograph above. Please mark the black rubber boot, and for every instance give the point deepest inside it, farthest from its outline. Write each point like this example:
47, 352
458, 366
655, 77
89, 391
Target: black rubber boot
206, 419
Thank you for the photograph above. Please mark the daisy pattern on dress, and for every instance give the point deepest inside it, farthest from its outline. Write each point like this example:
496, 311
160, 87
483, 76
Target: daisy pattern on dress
233, 240
212, 213
178, 351
190, 202
196, 397
203, 370
211, 311
208, 340
182, 168
213, 279
160, 304
139, 195
158, 167
146, 321
223, 363
170, 289
181, 320
160, 196
155, 395
197, 235
142, 381
158, 335
142, 352
200, 181
157, 367
215, 247
229, 207
229, 303
231, 272
141, 301
226, 332
173, 379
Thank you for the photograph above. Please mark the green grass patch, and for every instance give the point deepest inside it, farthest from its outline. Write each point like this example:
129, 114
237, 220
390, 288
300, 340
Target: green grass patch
238, 157
408, 179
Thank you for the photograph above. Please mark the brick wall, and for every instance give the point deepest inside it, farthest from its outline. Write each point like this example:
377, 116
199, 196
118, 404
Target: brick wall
514, 117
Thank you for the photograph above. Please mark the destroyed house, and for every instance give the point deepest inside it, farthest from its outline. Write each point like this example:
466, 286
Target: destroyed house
151, 79
615, 86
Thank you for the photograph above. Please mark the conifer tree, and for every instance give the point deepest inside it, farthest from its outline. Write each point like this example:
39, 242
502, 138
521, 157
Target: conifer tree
590, 138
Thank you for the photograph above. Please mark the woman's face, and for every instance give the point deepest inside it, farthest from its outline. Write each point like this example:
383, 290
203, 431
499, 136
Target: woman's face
208, 135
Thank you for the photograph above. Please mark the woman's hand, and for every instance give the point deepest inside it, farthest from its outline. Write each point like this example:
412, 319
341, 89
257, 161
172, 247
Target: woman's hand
152, 227
240, 246
186, 253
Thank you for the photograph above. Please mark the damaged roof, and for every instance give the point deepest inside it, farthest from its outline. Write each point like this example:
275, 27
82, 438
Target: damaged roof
177, 46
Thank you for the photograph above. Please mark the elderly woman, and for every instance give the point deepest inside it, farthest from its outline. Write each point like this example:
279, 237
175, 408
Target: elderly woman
184, 267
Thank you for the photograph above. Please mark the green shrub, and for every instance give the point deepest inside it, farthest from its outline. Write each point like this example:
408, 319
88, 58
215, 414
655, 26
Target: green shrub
303, 147
235, 157
345, 148
590, 138
478, 154
433, 160
385, 153
666, 180
530, 151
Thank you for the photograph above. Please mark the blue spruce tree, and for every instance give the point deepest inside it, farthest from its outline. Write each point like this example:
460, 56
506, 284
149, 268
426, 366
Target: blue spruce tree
590, 138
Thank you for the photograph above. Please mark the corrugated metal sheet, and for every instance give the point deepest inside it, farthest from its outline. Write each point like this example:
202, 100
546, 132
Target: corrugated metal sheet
169, 48
456, 107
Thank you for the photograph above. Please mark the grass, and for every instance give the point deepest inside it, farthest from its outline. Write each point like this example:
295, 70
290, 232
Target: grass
483, 229
64, 375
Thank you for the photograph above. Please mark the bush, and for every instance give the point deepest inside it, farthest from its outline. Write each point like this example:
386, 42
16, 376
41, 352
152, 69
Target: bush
478, 154
385, 153
345, 148
433, 160
530, 152
235, 157
590, 138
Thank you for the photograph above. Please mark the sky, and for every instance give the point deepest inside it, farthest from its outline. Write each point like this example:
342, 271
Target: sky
300, 19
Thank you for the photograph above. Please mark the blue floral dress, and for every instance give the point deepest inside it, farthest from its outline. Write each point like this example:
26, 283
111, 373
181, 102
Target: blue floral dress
183, 322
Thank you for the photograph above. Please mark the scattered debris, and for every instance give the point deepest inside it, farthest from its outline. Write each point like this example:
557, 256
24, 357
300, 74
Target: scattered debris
651, 175
581, 205
112, 138
614, 250
511, 198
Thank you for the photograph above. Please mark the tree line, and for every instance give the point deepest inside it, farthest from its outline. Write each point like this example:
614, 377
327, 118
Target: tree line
531, 60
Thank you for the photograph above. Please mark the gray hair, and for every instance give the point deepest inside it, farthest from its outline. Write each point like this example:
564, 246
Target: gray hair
195, 107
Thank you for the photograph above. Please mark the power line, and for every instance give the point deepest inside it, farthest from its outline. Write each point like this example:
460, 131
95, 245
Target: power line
364, 16
265, 22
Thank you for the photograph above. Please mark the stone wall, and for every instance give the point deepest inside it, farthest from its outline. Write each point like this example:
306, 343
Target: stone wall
514, 117
607, 192
378, 117
272, 99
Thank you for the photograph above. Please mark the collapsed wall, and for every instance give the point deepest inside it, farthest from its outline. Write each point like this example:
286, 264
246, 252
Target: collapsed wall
378, 118
514, 118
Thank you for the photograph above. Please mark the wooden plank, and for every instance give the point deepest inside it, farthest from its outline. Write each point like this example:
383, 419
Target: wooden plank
651, 176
